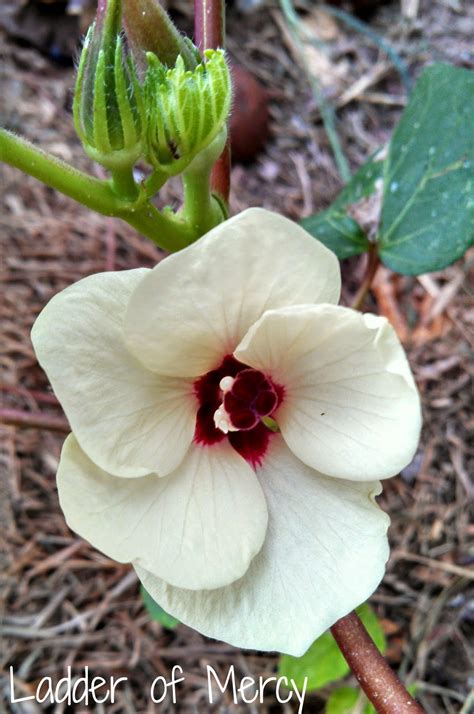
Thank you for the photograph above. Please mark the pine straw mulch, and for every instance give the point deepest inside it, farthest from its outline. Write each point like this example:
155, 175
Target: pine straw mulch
65, 603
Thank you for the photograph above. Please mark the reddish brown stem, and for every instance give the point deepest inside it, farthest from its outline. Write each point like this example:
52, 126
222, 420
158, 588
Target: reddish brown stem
373, 262
209, 33
34, 420
209, 24
375, 676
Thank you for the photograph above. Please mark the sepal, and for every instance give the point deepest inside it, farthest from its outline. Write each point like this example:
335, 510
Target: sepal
187, 110
109, 109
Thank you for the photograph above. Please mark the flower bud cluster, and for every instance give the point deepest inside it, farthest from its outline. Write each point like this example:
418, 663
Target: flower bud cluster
165, 115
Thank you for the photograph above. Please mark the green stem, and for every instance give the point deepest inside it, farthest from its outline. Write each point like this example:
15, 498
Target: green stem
170, 234
201, 210
154, 182
124, 184
89, 191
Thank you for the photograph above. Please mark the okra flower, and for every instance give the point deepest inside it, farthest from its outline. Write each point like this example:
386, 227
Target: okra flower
229, 423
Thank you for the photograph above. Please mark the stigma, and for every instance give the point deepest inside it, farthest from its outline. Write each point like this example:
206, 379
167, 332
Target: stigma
246, 399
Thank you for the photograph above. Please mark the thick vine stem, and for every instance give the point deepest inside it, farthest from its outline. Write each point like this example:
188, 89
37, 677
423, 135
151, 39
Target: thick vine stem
209, 33
379, 682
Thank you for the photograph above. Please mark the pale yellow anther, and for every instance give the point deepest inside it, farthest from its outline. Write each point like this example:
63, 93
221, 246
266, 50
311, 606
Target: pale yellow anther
222, 419
226, 384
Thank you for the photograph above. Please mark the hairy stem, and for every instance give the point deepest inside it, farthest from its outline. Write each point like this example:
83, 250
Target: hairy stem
98, 195
201, 210
124, 184
209, 33
379, 682
91, 192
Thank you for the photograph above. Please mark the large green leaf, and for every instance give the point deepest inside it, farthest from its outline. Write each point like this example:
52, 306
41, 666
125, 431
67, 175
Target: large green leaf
427, 217
344, 701
334, 227
156, 612
323, 662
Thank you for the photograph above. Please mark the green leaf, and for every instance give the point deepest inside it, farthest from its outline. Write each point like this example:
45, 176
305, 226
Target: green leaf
373, 626
344, 700
427, 217
156, 612
363, 183
338, 231
323, 662
334, 227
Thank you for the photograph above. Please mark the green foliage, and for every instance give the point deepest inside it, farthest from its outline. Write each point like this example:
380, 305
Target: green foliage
334, 227
363, 183
323, 662
427, 214
344, 700
338, 231
373, 626
156, 612
428, 206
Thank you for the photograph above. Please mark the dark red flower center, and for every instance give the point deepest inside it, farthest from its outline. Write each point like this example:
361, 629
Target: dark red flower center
237, 398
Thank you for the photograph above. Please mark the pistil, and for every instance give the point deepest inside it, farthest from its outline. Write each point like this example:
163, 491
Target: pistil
236, 402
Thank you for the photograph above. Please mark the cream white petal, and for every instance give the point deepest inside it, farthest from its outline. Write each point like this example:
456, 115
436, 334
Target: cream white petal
129, 420
324, 554
195, 306
351, 408
197, 528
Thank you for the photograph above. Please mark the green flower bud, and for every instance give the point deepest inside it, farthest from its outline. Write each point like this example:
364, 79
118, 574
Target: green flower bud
109, 108
187, 110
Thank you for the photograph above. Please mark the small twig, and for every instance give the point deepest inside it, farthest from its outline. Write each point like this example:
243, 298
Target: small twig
34, 420
467, 573
436, 689
379, 682
31, 394
326, 110
209, 33
373, 262
356, 24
